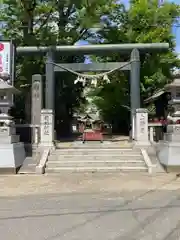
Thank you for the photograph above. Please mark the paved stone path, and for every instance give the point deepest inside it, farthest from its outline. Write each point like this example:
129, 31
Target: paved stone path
90, 206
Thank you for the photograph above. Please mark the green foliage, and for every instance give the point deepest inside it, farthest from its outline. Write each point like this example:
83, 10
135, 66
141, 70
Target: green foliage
149, 23
49, 22
143, 22
56, 22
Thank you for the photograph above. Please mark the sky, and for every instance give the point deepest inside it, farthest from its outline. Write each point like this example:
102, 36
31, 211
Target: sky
176, 31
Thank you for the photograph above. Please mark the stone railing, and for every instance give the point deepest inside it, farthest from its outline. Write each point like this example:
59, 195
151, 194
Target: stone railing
41, 135
28, 133
156, 132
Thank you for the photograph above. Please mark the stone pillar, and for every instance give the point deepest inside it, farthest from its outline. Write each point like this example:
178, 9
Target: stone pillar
141, 127
151, 134
36, 104
50, 88
134, 87
47, 128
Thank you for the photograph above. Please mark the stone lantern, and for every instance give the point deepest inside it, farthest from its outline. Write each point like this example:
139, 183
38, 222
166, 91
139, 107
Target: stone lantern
169, 148
174, 89
6, 99
11, 150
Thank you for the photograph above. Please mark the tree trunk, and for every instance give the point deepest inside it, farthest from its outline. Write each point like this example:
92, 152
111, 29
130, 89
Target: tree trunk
29, 7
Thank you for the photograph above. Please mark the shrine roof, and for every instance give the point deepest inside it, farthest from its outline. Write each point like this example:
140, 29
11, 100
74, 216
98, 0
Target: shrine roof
155, 96
89, 116
174, 83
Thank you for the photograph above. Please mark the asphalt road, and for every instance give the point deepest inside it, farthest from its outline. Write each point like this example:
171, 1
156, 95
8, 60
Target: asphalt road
142, 208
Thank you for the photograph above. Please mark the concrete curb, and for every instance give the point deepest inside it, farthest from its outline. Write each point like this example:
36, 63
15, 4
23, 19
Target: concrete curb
147, 161
40, 168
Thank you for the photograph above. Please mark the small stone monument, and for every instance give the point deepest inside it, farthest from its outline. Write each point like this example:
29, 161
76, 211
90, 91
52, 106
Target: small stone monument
169, 148
47, 128
141, 127
11, 150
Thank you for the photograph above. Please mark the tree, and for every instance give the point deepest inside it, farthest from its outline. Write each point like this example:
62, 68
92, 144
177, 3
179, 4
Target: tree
154, 24
143, 22
49, 22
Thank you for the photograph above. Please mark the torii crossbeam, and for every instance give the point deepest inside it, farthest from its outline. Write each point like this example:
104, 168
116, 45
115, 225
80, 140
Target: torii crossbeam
133, 50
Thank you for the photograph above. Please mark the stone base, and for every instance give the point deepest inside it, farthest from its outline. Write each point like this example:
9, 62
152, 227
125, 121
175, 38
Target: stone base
141, 144
169, 154
172, 137
169, 137
47, 145
40, 170
172, 169
9, 139
12, 157
9, 170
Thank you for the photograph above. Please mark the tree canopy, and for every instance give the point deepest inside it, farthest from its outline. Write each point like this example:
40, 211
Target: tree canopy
56, 22
143, 22
49, 22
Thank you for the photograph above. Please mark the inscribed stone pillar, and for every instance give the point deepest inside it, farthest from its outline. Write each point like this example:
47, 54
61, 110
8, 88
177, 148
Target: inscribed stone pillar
47, 127
36, 102
141, 127
134, 86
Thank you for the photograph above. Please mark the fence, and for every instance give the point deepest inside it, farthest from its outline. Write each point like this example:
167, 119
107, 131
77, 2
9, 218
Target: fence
31, 133
156, 132
28, 133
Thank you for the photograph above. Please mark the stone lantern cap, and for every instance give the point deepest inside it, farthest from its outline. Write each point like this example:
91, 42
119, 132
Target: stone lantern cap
176, 81
5, 87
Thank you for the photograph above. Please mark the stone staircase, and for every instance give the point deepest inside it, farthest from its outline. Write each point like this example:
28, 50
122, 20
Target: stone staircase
29, 166
31, 160
99, 158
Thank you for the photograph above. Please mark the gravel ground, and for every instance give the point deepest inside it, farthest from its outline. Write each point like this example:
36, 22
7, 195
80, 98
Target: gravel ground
90, 206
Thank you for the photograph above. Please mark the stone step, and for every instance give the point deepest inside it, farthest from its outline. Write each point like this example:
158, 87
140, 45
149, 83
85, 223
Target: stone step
28, 167
94, 157
97, 169
104, 149
95, 161
94, 146
96, 151
93, 164
27, 170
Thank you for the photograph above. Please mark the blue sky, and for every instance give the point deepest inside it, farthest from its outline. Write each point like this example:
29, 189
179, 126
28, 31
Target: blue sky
176, 30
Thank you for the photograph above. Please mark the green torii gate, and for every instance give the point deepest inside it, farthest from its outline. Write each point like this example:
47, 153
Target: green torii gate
133, 50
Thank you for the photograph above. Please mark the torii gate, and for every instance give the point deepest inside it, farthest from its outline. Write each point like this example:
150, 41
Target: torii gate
133, 50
